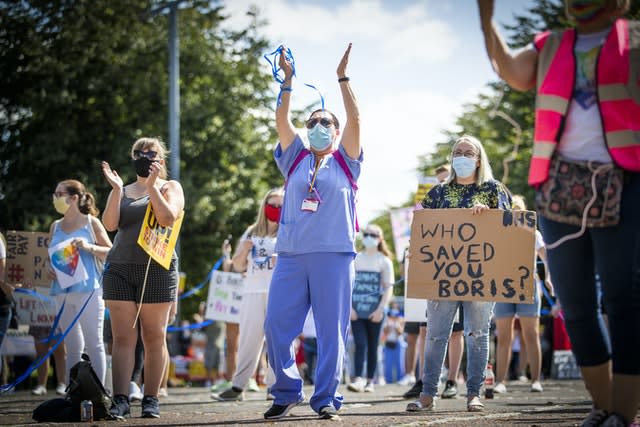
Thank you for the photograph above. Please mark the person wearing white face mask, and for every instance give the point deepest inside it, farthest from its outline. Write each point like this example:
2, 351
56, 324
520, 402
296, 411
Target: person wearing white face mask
470, 185
87, 241
374, 274
315, 247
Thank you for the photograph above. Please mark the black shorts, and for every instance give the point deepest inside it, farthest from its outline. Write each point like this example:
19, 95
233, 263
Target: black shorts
123, 282
412, 328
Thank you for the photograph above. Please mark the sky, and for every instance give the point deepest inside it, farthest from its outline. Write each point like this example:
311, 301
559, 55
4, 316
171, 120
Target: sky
413, 66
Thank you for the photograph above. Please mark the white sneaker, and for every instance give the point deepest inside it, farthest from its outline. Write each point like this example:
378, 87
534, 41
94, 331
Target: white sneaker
135, 394
61, 389
369, 388
39, 391
253, 385
163, 392
523, 379
357, 385
407, 380
500, 388
536, 387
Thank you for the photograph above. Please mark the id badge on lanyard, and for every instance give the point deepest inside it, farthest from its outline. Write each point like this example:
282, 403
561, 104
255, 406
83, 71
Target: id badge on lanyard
311, 203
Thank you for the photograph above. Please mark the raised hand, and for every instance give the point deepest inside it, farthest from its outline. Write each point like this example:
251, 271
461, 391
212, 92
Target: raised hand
285, 63
112, 176
342, 66
154, 172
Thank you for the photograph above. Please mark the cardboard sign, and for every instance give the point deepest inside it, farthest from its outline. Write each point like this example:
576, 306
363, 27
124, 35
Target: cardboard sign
366, 293
27, 257
66, 262
36, 310
225, 297
158, 241
456, 255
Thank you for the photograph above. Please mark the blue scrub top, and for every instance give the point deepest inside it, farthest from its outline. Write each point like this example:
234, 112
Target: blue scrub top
332, 227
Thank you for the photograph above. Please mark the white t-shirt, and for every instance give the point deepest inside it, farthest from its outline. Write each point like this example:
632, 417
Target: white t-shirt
377, 263
260, 263
583, 138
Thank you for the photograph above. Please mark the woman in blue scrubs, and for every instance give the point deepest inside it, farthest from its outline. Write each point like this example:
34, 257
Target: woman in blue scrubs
315, 247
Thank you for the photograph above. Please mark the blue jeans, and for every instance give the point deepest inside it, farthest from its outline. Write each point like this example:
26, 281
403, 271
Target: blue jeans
614, 252
440, 316
366, 336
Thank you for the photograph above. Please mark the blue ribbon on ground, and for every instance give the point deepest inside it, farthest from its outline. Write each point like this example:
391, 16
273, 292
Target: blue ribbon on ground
6, 387
202, 284
276, 69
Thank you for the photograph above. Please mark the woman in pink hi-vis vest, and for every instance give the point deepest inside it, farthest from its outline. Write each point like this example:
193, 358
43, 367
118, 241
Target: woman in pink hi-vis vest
588, 119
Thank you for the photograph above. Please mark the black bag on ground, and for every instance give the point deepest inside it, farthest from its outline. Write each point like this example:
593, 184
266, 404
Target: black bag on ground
83, 385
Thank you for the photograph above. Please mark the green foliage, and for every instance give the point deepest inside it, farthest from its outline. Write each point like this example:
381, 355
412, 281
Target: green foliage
83, 79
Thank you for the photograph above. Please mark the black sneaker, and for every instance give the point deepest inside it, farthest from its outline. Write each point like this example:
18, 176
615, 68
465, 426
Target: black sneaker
150, 407
450, 390
230, 395
279, 411
414, 391
120, 408
328, 413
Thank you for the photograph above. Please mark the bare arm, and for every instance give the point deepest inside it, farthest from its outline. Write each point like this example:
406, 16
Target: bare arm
111, 214
351, 135
518, 69
284, 126
240, 259
542, 253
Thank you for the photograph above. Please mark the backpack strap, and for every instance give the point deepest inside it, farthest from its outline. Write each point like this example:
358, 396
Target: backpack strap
343, 164
301, 155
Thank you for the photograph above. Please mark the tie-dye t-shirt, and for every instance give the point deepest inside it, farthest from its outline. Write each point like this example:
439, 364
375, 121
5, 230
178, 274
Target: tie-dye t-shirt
491, 193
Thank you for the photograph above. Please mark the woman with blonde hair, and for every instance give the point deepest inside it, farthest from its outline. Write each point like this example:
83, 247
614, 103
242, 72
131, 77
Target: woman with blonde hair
374, 269
256, 257
130, 270
470, 185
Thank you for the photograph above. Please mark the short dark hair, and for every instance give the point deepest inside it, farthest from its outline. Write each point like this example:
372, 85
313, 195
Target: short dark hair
333, 116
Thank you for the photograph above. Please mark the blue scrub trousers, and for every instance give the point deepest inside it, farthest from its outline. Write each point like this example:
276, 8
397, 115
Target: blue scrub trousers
321, 281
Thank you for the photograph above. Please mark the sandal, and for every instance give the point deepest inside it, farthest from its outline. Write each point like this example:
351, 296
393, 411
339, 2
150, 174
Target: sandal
474, 404
418, 406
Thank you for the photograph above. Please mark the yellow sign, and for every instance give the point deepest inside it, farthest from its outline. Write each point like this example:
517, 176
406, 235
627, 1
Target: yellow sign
158, 241
425, 183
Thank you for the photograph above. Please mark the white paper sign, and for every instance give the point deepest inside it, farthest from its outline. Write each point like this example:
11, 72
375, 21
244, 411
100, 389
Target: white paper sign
225, 297
67, 264
35, 310
18, 342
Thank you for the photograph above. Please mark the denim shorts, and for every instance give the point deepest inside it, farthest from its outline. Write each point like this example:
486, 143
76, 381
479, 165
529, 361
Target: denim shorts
508, 309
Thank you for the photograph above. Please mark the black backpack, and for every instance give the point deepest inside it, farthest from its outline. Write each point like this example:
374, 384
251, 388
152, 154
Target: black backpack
83, 385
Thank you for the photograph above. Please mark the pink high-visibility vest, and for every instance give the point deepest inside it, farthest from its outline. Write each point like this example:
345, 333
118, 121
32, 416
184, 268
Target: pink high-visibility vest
618, 95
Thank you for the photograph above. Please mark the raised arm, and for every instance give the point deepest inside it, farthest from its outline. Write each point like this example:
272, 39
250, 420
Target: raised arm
284, 126
167, 202
351, 134
518, 68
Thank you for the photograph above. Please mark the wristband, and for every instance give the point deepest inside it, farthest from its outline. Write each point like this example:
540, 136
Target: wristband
343, 79
286, 89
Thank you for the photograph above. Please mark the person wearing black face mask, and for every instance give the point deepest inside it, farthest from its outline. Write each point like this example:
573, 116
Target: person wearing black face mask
127, 268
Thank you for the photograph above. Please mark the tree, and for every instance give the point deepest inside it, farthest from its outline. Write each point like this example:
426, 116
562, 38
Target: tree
83, 79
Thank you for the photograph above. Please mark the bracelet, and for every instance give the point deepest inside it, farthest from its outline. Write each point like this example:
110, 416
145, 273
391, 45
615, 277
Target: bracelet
343, 79
286, 89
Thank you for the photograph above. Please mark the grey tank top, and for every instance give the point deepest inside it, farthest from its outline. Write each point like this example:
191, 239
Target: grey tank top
125, 248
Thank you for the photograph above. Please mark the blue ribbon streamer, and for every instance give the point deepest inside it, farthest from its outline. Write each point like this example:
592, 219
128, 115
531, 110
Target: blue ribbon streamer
202, 284
276, 69
188, 327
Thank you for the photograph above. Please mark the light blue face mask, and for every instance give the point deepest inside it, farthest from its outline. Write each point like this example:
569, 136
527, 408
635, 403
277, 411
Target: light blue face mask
369, 242
464, 166
319, 137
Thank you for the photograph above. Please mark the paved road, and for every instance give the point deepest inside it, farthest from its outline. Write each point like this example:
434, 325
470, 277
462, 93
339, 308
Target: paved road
563, 403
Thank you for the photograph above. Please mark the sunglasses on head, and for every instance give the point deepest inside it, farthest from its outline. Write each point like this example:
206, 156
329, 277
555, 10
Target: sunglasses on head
311, 123
148, 154
365, 234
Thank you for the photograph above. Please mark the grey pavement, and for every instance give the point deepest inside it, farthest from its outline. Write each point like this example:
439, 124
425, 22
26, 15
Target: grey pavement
562, 403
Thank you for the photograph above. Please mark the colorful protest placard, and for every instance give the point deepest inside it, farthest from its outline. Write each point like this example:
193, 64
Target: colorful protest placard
225, 297
456, 255
158, 241
366, 293
67, 264
401, 227
27, 258
35, 308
